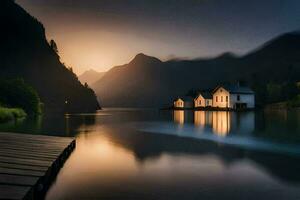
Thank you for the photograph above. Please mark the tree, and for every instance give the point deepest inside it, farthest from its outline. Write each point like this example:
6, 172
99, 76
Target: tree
53, 46
18, 94
274, 92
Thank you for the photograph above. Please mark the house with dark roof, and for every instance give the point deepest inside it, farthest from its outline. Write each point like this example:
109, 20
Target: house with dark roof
233, 97
203, 99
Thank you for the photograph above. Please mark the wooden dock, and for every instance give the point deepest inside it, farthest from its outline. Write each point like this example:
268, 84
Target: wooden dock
29, 163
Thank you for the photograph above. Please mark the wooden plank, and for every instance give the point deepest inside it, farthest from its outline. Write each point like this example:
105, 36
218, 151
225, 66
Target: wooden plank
28, 148
13, 192
29, 140
9, 179
40, 138
29, 153
24, 156
22, 172
34, 143
28, 163
36, 137
23, 167
34, 150
25, 161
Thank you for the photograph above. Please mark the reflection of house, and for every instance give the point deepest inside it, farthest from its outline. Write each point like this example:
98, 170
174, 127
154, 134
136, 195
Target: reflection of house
221, 122
202, 118
218, 122
184, 102
233, 96
204, 99
179, 116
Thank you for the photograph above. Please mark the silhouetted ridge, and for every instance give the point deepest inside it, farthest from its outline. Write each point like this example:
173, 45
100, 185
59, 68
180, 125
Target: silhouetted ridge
90, 76
227, 55
146, 81
144, 59
25, 53
281, 45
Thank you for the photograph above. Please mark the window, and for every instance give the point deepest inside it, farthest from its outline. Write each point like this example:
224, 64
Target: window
221, 98
216, 98
226, 98
238, 97
199, 102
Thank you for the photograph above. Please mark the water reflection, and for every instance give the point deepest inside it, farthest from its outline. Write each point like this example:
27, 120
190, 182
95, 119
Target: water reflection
179, 116
221, 121
200, 118
117, 162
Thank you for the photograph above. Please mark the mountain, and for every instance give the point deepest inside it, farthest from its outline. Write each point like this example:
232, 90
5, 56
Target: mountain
25, 53
90, 76
149, 82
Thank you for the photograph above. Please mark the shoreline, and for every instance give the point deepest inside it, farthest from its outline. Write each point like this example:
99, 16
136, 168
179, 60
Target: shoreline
11, 114
210, 109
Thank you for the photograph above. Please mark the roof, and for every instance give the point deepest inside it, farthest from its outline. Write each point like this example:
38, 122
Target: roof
236, 89
176, 99
205, 95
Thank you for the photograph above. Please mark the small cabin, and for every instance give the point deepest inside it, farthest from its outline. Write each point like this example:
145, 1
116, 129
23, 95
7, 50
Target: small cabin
178, 103
184, 102
203, 99
233, 97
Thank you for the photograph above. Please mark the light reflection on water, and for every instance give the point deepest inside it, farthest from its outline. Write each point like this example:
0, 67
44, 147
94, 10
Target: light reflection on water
221, 122
109, 163
224, 127
115, 159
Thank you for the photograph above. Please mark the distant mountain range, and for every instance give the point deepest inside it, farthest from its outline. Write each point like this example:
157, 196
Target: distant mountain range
147, 81
90, 76
26, 53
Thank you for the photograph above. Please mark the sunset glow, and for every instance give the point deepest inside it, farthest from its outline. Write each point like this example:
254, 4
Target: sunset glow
103, 34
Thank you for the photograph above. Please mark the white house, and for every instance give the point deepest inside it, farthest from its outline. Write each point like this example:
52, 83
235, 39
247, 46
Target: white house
178, 103
233, 96
184, 102
204, 99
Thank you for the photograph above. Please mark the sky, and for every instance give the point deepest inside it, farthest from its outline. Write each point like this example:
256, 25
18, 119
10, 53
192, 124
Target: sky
101, 34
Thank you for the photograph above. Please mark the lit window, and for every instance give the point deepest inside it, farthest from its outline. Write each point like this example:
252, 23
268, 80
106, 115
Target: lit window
221, 98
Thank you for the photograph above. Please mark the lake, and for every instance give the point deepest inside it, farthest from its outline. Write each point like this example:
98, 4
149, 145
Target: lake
151, 154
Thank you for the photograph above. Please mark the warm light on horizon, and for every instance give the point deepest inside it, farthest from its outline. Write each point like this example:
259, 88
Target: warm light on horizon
100, 35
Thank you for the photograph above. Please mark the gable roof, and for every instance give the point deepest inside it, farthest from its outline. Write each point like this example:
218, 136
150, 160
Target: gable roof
235, 89
177, 99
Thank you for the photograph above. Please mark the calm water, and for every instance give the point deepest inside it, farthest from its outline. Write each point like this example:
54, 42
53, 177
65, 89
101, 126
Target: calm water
150, 154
